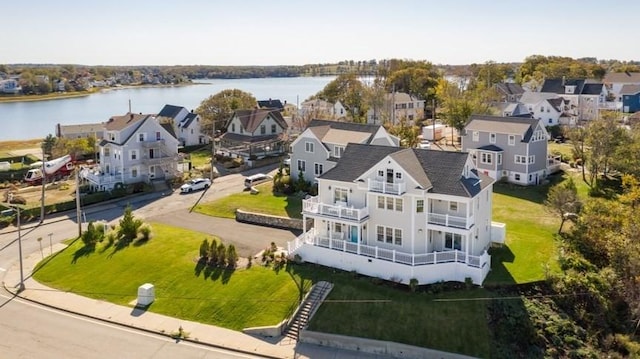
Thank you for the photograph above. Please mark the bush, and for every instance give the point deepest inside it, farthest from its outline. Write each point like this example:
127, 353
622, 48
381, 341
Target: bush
92, 235
145, 232
128, 229
413, 284
232, 256
18, 200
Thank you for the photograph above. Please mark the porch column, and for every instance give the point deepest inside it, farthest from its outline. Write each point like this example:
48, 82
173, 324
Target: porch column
304, 223
468, 247
466, 220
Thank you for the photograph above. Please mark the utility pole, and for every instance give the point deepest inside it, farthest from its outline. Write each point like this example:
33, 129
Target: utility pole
213, 147
44, 179
21, 284
78, 211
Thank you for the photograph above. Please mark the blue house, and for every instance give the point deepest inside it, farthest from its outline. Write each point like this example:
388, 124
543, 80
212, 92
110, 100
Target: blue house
630, 98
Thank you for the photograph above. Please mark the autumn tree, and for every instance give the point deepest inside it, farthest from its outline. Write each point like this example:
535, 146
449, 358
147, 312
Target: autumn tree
603, 136
562, 200
216, 109
349, 90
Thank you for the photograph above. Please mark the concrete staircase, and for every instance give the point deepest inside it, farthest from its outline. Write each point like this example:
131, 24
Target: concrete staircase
307, 309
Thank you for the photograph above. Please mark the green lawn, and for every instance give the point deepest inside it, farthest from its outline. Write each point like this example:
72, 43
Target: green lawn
565, 149
230, 299
264, 202
201, 157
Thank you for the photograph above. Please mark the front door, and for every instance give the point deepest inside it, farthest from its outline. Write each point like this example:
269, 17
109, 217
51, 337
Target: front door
389, 175
354, 234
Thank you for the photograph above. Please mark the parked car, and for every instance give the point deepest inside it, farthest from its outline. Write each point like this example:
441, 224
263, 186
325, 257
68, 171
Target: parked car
195, 185
424, 144
255, 179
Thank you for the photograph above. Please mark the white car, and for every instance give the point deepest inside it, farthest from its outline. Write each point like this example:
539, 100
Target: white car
424, 144
195, 184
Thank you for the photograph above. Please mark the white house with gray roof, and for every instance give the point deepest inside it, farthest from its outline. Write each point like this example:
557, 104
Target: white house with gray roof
397, 107
186, 124
584, 97
401, 213
134, 148
319, 147
513, 149
549, 108
256, 133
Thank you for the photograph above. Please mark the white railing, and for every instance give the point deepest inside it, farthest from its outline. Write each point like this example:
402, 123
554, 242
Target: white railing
450, 221
152, 143
411, 259
97, 178
385, 187
313, 206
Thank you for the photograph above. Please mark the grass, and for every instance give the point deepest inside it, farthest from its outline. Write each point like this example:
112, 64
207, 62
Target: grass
201, 157
232, 299
565, 149
8, 146
264, 202
49, 96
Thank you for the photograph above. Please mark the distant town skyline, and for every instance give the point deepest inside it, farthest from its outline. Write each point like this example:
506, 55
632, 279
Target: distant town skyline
284, 32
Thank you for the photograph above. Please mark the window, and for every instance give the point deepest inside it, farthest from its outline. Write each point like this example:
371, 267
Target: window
141, 137
397, 236
486, 158
520, 159
532, 159
411, 105
388, 231
453, 241
318, 169
517, 177
274, 129
399, 204
420, 206
380, 173
340, 195
399, 175
133, 154
512, 140
453, 206
263, 129
390, 203
106, 152
381, 202
492, 138
380, 232
538, 136
337, 151
499, 158
134, 172
233, 127
476, 136
302, 165
158, 137
308, 147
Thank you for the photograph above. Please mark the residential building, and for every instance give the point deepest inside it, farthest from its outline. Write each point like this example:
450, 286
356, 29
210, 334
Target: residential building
397, 107
401, 214
186, 125
11, 86
85, 130
254, 134
134, 148
511, 109
273, 104
614, 81
549, 108
509, 91
513, 149
585, 98
319, 147
630, 98
322, 109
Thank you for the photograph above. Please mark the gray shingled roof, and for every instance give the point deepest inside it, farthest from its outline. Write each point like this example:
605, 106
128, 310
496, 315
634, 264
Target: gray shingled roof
509, 125
510, 88
592, 89
629, 89
188, 119
117, 123
438, 171
492, 148
251, 119
169, 128
321, 127
170, 111
271, 103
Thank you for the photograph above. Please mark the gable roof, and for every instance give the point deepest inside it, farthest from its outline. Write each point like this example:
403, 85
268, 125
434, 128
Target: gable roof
271, 103
592, 89
436, 171
81, 128
556, 103
583, 87
622, 77
170, 111
118, 123
169, 128
251, 119
532, 98
188, 120
342, 132
510, 88
509, 125
629, 89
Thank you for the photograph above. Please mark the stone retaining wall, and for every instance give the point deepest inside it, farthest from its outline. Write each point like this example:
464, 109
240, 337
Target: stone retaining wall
271, 221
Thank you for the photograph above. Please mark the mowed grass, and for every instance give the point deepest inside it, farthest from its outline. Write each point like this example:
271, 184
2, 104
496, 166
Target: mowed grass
7, 146
233, 299
265, 202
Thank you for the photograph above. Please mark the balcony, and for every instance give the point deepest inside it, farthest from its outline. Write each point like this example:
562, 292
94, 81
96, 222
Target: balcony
159, 160
386, 187
98, 178
312, 206
450, 221
153, 143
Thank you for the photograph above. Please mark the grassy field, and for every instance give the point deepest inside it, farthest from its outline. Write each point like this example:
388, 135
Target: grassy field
50, 96
264, 202
231, 299
8, 146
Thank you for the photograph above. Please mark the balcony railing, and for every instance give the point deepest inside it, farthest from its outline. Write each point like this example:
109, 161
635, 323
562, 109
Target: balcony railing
313, 206
450, 221
159, 159
386, 187
411, 259
99, 179
152, 143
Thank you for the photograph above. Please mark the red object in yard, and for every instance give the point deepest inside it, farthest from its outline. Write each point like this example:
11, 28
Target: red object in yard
55, 169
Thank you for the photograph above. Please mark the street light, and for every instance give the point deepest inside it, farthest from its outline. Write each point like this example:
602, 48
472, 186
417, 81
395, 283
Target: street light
21, 285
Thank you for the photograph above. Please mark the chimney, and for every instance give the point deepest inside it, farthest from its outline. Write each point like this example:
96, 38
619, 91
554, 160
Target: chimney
131, 117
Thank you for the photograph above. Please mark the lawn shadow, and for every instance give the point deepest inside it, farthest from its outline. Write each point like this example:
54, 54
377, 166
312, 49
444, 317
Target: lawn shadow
499, 274
226, 274
84, 251
200, 267
140, 242
138, 310
119, 245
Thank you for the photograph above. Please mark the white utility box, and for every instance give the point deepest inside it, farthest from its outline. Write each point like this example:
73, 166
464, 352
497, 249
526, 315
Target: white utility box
146, 294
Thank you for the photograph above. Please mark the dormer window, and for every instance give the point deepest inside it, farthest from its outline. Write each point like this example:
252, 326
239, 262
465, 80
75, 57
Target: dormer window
337, 151
476, 136
492, 138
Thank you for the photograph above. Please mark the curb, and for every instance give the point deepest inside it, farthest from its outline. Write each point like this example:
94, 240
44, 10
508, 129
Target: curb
150, 331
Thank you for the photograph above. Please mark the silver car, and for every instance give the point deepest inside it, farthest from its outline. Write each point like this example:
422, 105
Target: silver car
195, 185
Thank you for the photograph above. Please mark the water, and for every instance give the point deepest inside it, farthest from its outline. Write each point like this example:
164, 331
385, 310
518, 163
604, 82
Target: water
37, 119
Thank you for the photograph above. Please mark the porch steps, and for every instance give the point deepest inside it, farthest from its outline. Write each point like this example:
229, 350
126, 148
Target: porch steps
307, 309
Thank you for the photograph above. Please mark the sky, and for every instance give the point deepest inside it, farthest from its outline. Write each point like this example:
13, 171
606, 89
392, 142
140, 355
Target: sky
287, 32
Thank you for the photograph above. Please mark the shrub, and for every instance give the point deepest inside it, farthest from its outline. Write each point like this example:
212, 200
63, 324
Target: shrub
413, 284
128, 229
204, 249
145, 232
232, 256
92, 235
18, 200
213, 252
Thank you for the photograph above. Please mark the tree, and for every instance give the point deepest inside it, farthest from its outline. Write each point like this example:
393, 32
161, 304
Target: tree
216, 109
347, 89
603, 136
48, 143
562, 200
204, 249
128, 228
232, 256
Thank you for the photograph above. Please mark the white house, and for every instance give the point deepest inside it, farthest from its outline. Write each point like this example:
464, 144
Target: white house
256, 133
549, 108
401, 214
322, 109
320, 146
135, 148
396, 107
186, 125
614, 81
584, 98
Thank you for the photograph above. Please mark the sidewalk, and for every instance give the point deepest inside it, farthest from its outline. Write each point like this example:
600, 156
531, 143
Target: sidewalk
143, 320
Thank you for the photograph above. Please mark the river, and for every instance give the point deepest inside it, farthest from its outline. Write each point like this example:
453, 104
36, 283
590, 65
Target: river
37, 119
